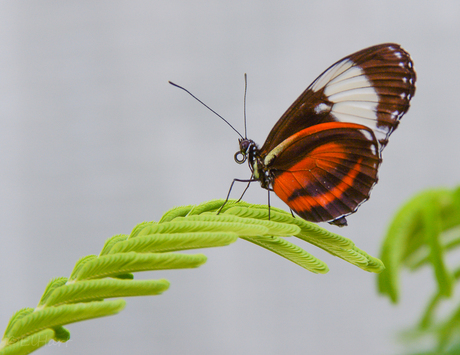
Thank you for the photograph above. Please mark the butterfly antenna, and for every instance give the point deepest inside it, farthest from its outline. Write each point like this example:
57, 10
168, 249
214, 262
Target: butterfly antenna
209, 108
245, 92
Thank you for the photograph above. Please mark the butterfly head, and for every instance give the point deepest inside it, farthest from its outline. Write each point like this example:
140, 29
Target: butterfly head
250, 151
247, 150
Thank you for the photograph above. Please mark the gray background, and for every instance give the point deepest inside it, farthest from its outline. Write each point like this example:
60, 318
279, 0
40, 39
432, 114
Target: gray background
93, 141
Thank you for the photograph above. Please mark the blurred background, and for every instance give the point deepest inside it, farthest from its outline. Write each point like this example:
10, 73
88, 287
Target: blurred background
94, 140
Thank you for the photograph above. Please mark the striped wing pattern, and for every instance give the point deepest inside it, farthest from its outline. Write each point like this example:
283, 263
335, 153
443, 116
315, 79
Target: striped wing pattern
334, 176
324, 152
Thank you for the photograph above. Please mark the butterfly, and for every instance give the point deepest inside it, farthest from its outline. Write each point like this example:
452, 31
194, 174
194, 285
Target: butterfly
322, 156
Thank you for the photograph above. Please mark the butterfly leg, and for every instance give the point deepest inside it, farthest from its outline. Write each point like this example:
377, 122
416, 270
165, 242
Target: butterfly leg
230, 190
268, 198
247, 187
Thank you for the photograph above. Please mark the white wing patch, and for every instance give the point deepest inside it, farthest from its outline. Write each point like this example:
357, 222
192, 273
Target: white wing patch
330, 74
369, 137
362, 95
353, 78
322, 107
354, 98
358, 112
372, 87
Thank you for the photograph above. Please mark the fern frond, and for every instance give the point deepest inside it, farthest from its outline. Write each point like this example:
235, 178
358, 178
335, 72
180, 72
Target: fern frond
273, 228
28, 344
183, 225
16, 317
168, 242
422, 233
108, 265
109, 243
154, 246
55, 316
91, 290
61, 334
52, 285
415, 237
291, 252
80, 263
309, 232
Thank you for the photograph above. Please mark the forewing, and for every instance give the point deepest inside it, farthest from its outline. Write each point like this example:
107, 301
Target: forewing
372, 87
326, 171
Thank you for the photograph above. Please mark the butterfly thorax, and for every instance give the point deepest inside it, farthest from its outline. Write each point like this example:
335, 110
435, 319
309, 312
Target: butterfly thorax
250, 151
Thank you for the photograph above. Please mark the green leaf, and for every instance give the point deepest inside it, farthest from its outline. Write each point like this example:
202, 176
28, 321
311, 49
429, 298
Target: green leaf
208, 206
114, 264
56, 316
333, 243
321, 237
373, 264
427, 320
85, 291
16, 317
109, 243
422, 233
308, 230
168, 242
52, 285
62, 335
416, 237
432, 235
245, 210
181, 211
139, 227
394, 247
274, 228
428, 316
264, 208
183, 225
291, 252
28, 344
150, 246
80, 263
123, 276
448, 330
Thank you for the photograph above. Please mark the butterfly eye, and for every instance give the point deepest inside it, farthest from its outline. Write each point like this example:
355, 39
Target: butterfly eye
240, 158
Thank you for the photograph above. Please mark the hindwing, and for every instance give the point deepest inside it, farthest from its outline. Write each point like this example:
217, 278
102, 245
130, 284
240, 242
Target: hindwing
326, 171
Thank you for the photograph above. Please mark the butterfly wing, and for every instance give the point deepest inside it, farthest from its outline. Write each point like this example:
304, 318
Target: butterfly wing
326, 171
372, 87
324, 152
